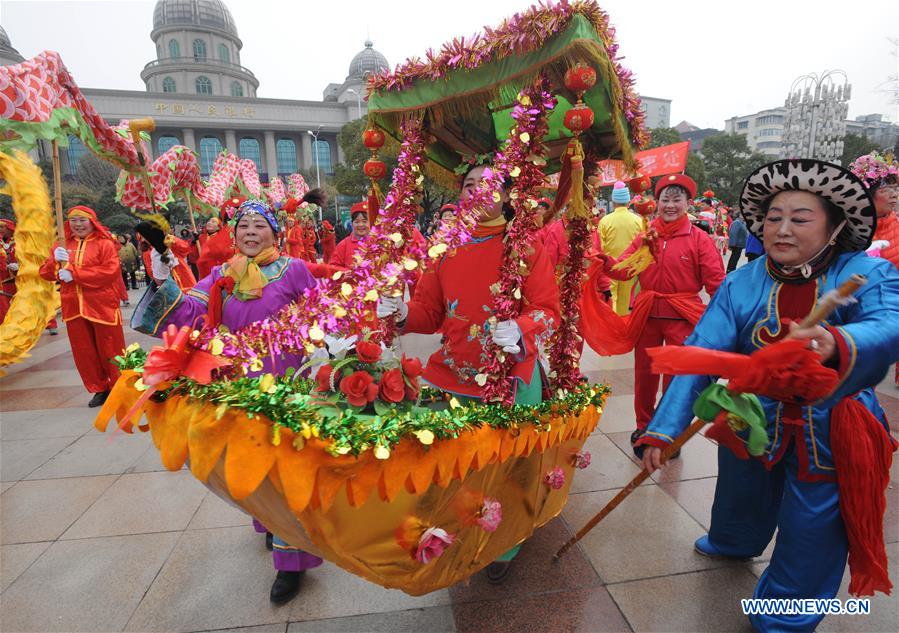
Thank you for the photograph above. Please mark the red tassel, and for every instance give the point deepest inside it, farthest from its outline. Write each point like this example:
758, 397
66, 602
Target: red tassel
862, 455
721, 433
222, 285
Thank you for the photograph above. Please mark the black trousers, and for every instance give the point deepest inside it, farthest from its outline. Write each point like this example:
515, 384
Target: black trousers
735, 252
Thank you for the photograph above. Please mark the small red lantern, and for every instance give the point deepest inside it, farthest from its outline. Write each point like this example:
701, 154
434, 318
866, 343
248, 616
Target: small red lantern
373, 139
644, 205
708, 193
579, 118
580, 78
639, 184
374, 168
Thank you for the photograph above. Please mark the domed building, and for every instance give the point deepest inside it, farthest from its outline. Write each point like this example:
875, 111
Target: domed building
8, 55
197, 50
366, 62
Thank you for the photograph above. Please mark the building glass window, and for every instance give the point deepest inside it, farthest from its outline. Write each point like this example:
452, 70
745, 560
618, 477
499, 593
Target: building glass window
770, 119
742, 125
204, 86
224, 54
75, 152
287, 156
199, 51
321, 154
771, 131
236, 89
249, 148
174, 49
168, 85
165, 143
210, 148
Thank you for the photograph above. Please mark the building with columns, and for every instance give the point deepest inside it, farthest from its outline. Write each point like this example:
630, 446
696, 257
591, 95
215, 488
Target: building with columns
201, 96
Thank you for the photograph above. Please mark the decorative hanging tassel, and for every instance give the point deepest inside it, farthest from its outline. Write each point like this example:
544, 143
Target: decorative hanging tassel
862, 455
375, 200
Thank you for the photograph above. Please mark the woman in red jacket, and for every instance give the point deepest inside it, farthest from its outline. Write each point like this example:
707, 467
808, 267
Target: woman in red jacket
346, 249
216, 246
686, 260
91, 289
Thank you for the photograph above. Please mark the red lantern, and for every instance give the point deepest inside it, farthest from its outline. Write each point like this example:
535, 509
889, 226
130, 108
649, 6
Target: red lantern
580, 78
639, 184
374, 168
373, 139
708, 193
644, 205
579, 118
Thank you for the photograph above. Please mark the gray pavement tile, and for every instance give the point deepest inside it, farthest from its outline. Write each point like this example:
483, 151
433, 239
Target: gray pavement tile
647, 535
19, 458
329, 592
591, 609
214, 579
618, 415
141, 503
701, 601
40, 423
6, 485
42, 510
431, 619
695, 496
94, 454
216, 513
88, 585
609, 467
14, 559
150, 461
278, 627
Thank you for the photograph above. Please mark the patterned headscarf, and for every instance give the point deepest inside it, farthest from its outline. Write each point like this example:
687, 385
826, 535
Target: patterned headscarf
258, 207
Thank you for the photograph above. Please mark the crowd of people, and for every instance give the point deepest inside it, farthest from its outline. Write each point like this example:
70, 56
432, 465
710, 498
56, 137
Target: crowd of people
657, 274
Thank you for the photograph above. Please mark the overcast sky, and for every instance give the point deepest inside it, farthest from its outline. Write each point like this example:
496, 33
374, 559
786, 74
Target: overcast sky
714, 59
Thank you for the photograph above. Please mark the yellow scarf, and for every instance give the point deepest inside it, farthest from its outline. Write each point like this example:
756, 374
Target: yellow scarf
247, 274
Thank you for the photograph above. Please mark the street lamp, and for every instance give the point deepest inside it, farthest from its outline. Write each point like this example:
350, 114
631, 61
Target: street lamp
358, 101
318, 180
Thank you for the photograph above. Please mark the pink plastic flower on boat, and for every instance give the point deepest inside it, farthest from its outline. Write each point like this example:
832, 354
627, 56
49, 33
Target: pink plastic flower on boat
490, 515
582, 459
555, 478
432, 543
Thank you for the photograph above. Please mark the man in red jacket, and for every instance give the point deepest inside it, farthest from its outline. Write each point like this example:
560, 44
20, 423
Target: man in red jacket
90, 275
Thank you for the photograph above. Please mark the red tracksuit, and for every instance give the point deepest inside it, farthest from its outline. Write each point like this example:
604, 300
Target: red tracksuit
685, 262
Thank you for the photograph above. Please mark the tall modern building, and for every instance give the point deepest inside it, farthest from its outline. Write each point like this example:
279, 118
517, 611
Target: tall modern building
201, 96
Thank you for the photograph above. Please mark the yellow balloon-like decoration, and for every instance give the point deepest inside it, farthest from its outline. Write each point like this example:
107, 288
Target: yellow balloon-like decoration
36, 300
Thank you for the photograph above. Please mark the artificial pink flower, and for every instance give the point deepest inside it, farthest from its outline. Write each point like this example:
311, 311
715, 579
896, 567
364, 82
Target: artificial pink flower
432, 543
555, 478
490, 515
582, 459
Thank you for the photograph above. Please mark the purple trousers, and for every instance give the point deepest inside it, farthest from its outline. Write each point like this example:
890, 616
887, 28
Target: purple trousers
287, 558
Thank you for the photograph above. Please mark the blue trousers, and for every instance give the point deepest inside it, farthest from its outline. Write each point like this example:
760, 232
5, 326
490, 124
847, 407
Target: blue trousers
811, 549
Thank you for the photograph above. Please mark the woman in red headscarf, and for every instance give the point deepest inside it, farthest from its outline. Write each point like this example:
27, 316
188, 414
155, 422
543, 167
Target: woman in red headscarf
329, 242
216, 246
88, 268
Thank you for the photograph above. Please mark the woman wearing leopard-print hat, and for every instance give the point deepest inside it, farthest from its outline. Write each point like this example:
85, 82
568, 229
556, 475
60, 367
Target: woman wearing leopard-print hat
812, 483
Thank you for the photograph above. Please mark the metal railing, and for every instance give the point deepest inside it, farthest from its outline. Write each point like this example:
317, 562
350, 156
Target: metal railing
208, 61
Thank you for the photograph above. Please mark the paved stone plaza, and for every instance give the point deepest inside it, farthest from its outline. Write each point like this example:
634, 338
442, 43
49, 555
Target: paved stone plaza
98, 536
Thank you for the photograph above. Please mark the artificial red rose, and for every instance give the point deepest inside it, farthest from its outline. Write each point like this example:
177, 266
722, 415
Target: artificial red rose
368, 352
393, 387
411, 367
359, 388
323, 378
412, 390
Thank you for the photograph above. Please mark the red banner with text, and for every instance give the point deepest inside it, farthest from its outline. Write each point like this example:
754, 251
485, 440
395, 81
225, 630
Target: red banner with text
658, 161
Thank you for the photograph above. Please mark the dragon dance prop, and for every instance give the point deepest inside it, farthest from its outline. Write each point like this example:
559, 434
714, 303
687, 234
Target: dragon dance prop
39, 100
410, 490
36, 299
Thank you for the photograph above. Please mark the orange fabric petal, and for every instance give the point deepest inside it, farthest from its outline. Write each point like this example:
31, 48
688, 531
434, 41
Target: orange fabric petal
363, 479
249, 457
329, 481
297, 472
396, 471
421, 469
177, 413
466, 447
206, 439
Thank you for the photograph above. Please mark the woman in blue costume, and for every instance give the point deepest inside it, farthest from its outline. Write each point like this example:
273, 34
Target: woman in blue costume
251, 286
815, 220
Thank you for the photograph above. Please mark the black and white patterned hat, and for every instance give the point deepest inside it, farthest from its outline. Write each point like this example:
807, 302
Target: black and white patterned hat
832, 182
